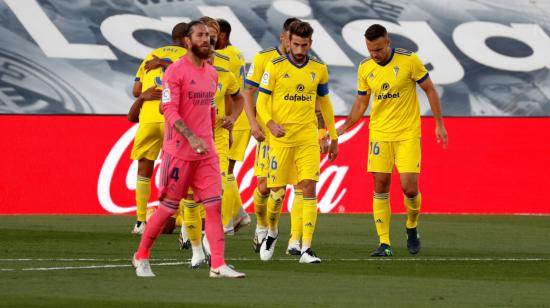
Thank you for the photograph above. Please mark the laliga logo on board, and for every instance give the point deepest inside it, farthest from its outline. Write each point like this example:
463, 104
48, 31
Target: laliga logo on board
334, 192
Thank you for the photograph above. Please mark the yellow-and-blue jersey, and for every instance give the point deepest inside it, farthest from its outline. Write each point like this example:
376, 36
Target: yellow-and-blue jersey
237, 65
150, 109
395, 112
293, 90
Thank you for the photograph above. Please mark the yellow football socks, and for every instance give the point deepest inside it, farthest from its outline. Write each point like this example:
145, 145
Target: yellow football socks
274, 204
192, 221
413, 209
260, 207
382, 214
143, 192
309, 221
227, 200
233, 186
296, 214
180, 213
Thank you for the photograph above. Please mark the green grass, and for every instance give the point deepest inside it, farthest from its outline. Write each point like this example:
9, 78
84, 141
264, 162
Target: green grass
465, 260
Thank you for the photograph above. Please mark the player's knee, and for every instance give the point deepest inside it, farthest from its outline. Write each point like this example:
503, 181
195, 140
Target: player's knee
262, 186
381, 186
308, 188
145, 168
410, 192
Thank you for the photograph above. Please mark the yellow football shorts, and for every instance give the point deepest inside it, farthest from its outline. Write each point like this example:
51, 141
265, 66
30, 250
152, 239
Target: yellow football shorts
384, 155
291, 165
261, 164
148, 141
221, 138
240, 142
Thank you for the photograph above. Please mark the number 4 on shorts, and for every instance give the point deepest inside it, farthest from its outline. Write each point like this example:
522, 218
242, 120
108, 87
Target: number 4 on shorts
175, 174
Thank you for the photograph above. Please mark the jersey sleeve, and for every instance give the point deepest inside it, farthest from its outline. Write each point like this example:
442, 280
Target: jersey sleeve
419, 71
254, 75
267, 82
322, 87
362, 85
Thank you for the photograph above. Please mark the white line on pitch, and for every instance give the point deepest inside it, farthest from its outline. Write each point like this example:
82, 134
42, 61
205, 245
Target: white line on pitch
96, 266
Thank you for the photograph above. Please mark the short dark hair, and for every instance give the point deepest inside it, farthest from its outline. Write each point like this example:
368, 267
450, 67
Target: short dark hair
300, 28
288, 22
179, 31
225, 27
190, 26
375, 31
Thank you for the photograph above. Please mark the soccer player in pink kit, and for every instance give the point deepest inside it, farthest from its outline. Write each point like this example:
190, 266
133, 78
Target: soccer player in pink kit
189, 158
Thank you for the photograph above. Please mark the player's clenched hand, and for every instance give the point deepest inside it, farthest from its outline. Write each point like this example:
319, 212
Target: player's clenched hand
441, 135
227, 123
151, 94
257, 132
198, 145
276, 129
333, 150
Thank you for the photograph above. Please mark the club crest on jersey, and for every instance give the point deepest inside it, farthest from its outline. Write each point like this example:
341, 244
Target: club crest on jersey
158, 81
312, 76
396, 70
265, 79
166, 95
300, 88
250, 71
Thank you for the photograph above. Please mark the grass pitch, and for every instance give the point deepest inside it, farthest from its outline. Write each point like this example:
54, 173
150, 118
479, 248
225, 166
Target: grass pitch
84, 261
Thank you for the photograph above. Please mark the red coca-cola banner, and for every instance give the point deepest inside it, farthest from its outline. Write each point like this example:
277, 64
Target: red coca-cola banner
81, 165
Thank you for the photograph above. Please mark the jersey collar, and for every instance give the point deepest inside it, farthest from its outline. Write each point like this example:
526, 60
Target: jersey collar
389, 60
298, 66
278, 51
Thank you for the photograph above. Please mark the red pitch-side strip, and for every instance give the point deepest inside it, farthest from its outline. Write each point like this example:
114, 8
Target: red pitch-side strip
81, 165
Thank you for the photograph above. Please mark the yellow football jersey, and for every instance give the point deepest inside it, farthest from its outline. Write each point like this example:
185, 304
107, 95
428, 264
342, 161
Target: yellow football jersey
395, 109
150, 109
293, 90
257, 68
237, 67
227, 84
222, 61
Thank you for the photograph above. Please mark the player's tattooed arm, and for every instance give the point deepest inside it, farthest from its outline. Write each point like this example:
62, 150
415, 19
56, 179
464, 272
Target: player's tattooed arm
198, 145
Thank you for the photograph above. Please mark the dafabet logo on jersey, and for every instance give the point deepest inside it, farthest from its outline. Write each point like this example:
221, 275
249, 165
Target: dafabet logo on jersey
385, 88
298, 97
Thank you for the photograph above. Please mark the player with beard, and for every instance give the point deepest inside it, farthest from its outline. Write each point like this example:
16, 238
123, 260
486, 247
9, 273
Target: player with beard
390, 76
189, 157
289, 88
